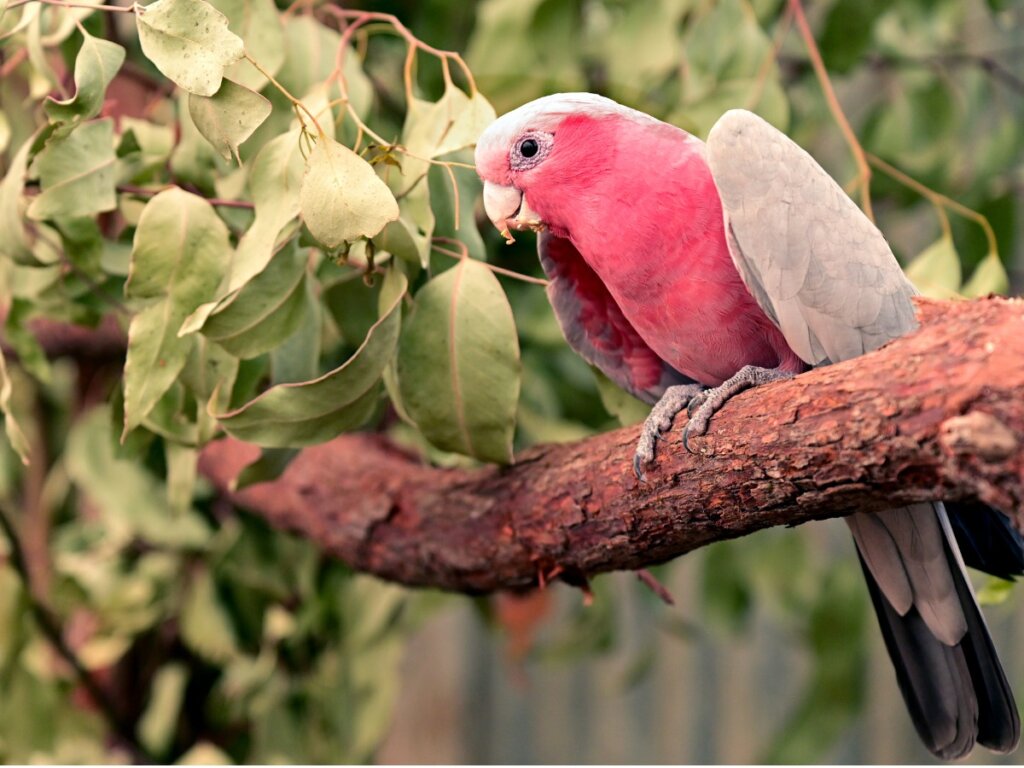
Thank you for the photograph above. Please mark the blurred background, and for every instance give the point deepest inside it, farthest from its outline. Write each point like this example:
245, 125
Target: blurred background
256, 648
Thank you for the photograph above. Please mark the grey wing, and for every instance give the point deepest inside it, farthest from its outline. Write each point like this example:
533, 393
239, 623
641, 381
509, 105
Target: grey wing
825, 275
595, 327
813, 261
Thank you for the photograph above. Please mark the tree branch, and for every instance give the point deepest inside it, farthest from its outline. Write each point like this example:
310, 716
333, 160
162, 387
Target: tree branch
938, 414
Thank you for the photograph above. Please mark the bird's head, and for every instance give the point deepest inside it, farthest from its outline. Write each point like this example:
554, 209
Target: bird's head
541, 162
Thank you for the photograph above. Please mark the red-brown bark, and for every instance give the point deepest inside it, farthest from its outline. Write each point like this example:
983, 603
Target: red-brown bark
938, 414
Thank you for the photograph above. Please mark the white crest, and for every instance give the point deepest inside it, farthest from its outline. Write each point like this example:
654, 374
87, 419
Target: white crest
545, 113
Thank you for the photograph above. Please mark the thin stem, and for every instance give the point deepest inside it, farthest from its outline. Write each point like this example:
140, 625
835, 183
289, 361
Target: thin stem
13, 62
863, 169
49, 625
128, 189
67, 4
296, 103
463, 253
939, 200
785, 24
362, 17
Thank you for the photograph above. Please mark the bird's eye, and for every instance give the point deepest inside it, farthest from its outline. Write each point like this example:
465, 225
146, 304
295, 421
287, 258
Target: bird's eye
528, 148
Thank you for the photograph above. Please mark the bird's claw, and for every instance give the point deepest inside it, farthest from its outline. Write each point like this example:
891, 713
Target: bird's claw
697, 426
696, 402
658, 422
703, 406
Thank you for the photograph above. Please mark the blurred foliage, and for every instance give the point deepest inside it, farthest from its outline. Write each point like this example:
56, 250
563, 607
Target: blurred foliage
218, 638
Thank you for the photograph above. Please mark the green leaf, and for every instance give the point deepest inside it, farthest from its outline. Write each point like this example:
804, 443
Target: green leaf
97, 63
988, 277
12, 207
936, 270
129, 500
342, 198
206, 624
618, 402
434, 128
274, 181
258, 24
311, 51
306, 413
205, 753
229, 117
403, 239
179, 257
995, 591
847, 32
15, 435
266, 311
166, 695
76, 173
447, 200
189, 42
458, 363
5, 130
298, 357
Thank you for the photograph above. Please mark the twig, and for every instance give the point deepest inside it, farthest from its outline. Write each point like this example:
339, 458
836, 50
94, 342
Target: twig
784, 25
655, 586
129, 189
49, 625
66, 4
981, 61
863, 169
939, 200
13, 62
463, 253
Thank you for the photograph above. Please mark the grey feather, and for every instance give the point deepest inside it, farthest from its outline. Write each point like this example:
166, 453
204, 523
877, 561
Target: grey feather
825, 275
811, 259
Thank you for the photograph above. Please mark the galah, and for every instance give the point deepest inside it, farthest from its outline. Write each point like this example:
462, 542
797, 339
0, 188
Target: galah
688, 271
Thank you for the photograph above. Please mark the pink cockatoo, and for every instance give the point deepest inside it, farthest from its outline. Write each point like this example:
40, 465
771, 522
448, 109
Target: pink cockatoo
689, 271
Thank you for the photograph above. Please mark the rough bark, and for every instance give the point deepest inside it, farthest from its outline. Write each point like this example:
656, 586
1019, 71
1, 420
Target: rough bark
938, 414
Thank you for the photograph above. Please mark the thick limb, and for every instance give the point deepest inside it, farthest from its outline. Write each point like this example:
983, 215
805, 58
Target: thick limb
706, 404
659, 421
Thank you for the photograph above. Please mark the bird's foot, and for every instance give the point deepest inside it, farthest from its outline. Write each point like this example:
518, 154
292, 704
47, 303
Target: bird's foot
705, 405
659, 421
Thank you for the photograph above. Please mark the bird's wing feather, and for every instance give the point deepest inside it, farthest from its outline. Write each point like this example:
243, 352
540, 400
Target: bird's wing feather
815, 264
825, 275
595, 327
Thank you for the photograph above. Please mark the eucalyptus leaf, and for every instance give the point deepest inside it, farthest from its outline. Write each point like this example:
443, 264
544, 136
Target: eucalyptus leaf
189, 42
341, 197
988, 277
266, 311
310, 412
12, 206
129, 500
936, 270
96, 64
458, 364
15, 435
259, 25
159, 722
180, 254
206, 624
76, 173
229, 117
274, 182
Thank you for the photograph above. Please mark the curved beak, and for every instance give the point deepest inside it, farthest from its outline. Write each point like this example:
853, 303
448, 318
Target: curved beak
508, 209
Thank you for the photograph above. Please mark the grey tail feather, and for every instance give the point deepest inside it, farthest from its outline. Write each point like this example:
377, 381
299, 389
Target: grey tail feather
957, 694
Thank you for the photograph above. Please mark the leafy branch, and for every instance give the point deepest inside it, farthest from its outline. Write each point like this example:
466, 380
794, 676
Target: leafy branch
50, 626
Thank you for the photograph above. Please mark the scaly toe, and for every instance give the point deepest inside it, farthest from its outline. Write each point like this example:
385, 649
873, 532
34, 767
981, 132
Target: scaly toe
696, 402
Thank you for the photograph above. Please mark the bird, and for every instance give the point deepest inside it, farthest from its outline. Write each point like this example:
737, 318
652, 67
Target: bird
688, 271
